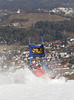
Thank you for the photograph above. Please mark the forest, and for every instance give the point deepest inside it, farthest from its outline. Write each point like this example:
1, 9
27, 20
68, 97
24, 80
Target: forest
50, 31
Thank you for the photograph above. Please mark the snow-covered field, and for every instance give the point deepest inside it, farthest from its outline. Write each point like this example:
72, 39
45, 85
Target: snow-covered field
23, 85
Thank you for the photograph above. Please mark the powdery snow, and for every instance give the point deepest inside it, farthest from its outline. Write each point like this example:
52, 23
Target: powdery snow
23, 85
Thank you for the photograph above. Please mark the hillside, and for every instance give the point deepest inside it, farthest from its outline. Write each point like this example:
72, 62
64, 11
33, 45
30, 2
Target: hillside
35, 25
28, 19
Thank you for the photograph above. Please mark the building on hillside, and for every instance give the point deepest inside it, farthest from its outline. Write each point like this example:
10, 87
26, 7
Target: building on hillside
18, 11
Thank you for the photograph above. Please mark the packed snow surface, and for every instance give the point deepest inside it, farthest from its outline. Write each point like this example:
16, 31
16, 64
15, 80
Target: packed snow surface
23, 85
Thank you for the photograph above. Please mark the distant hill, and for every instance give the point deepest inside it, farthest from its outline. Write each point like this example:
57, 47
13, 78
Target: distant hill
35, 25
33, 4
28, 19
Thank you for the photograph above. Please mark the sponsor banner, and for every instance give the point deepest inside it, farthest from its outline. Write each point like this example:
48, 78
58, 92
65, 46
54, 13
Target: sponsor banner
37, 51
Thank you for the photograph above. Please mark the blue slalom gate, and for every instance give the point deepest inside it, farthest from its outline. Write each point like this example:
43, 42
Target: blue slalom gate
37, 51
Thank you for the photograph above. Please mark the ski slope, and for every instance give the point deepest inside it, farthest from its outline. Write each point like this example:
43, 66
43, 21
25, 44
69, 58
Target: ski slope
23, 85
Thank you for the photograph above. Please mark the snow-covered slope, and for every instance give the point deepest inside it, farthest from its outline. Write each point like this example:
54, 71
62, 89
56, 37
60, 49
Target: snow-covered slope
23, 85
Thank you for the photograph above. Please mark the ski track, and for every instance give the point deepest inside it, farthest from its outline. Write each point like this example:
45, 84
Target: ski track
23, 85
